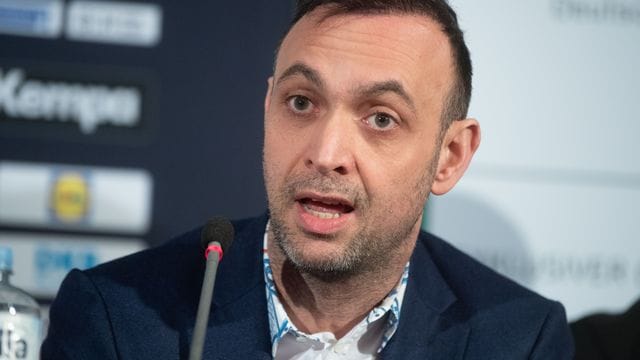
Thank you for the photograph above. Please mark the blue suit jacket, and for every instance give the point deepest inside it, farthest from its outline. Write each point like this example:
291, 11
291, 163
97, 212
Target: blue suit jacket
143, 307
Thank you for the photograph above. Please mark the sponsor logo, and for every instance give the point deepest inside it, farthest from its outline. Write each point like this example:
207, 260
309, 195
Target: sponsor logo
43, 260
123, 23
39, 18
598, 11
88, 105
70, 197
83, 198
50, 259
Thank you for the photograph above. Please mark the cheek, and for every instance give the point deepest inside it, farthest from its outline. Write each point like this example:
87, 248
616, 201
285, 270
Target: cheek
399, 177
279, 152
271, 160
381, 178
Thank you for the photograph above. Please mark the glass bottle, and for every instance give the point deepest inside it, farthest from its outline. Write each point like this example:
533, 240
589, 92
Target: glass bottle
20, 322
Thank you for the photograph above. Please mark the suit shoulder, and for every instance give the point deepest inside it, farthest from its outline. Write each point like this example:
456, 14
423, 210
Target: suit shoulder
472, 281
178, 249
180, 255
514, 322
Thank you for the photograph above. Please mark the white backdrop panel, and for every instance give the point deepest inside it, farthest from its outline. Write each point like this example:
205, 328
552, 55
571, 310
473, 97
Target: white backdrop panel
552, 196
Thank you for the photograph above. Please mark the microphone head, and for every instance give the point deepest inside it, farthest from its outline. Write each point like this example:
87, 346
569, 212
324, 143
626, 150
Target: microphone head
217, 229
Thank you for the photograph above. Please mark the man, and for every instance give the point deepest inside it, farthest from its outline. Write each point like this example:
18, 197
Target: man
365, 115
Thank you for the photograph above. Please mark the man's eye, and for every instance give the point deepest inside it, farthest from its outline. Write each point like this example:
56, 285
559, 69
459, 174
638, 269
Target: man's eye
381, 121
300, 104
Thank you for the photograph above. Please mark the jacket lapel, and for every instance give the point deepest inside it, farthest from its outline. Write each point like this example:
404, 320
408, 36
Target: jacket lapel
428, 328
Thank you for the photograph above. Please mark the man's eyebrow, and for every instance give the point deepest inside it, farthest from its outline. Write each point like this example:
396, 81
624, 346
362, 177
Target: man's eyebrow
304, 70
379, 88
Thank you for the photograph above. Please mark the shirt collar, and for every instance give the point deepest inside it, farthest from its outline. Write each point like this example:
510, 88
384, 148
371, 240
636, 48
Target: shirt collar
279, 323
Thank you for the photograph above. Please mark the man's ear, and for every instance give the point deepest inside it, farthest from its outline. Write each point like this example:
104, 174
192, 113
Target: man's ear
267, 97
458, 146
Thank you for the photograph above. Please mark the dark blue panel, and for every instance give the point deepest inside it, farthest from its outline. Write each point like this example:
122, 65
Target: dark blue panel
201, 130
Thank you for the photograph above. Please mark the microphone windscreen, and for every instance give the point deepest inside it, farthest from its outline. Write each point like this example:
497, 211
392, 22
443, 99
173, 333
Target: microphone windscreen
217, 229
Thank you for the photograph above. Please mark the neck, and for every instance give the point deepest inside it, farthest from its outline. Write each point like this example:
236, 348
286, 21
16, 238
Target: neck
335, 304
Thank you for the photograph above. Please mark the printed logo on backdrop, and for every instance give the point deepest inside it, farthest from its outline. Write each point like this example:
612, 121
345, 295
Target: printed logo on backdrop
29, 98
114, 22
47, 258
37, 18
73, 102
75, 198
53, 263
70, 196
594, 271
108, 22
597, 11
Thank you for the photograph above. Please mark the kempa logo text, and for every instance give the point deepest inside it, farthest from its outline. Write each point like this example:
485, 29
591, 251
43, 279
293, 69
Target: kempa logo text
89, 105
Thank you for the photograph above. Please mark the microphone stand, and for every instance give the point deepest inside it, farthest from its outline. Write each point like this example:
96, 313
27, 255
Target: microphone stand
204, 307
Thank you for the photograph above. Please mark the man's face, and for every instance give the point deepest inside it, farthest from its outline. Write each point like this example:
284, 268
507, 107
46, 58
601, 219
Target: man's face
352, 120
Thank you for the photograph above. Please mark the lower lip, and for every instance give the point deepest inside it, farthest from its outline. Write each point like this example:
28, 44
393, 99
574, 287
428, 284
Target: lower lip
316, 225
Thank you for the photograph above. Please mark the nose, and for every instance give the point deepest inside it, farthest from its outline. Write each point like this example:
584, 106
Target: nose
330, 149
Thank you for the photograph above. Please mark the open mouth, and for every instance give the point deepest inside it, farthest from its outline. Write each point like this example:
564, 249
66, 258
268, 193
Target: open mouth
325, 207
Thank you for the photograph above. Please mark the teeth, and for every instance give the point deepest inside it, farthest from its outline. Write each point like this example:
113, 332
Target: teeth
321, 215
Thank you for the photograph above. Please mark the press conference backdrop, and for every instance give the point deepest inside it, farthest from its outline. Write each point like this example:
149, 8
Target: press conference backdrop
552, 198
125, 123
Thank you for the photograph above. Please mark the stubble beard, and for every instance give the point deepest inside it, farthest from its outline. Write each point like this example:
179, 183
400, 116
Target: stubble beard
373, 244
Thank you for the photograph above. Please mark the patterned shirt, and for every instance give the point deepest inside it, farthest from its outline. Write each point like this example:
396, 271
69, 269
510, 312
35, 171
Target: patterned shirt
371, 334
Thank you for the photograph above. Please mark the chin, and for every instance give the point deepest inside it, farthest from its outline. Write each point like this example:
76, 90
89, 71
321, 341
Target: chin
320, 257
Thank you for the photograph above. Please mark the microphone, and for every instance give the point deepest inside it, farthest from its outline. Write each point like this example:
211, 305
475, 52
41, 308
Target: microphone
216, 237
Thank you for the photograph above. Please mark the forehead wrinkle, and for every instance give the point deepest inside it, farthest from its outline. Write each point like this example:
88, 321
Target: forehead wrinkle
374, 41
351, 46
